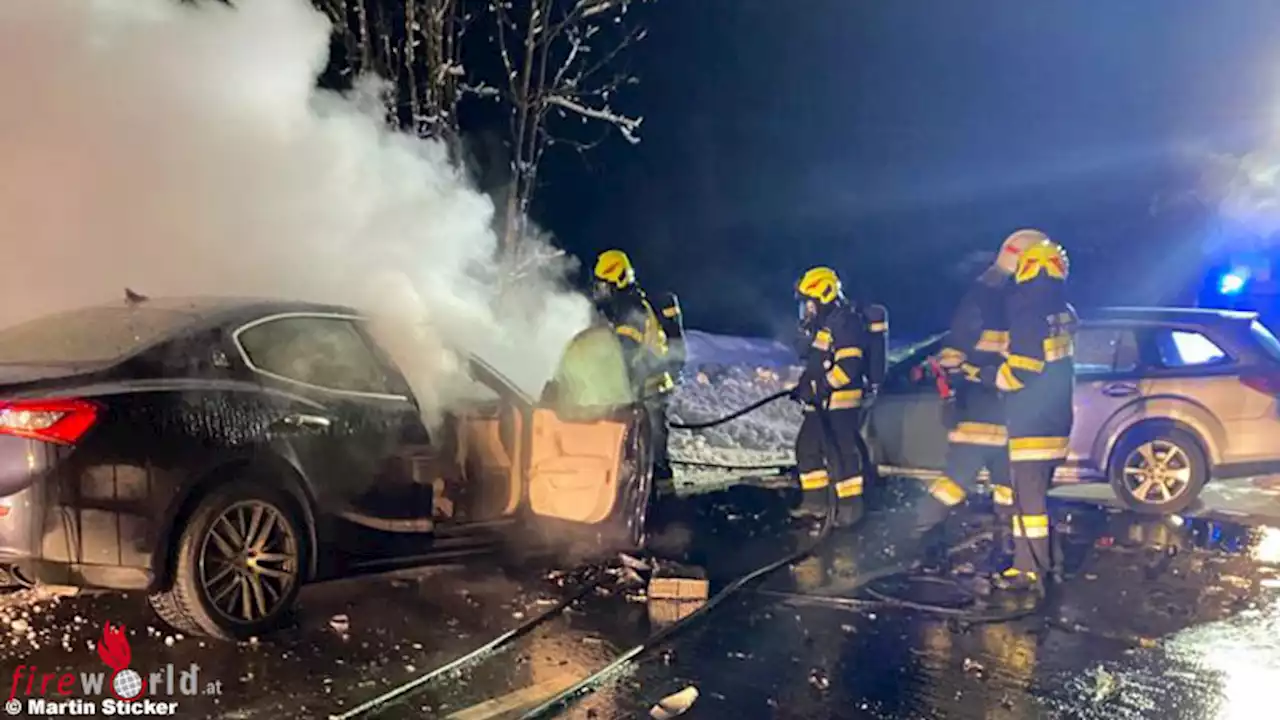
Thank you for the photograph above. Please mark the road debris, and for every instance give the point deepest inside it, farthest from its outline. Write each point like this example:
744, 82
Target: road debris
1104, 685
633, 563
340, 624
819, 680
674, 704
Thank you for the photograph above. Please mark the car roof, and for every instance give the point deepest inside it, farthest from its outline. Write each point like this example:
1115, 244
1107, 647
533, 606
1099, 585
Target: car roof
1205, 317
209, 305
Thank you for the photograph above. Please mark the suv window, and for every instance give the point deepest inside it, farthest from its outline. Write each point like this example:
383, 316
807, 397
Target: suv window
322, 351
1187, 348
1105, 350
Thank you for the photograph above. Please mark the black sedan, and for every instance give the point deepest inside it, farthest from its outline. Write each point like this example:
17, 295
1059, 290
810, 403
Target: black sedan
218, 453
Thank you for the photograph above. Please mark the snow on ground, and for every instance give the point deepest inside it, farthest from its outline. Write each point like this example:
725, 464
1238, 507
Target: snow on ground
724, 374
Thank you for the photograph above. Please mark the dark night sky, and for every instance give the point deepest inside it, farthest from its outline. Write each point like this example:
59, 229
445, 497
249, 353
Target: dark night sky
890, 139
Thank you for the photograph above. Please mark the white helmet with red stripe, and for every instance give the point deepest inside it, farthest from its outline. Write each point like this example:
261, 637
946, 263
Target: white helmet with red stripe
1014, 246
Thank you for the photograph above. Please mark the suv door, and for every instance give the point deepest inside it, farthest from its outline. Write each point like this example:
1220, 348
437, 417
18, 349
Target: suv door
357, 441
904, 425
1110, 387
1192, 368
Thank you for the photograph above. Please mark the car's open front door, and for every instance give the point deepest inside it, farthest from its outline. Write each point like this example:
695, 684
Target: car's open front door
588, 479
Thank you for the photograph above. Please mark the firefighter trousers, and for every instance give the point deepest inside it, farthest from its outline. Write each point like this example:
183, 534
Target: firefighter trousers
658, 431
965, 462
827, 453
1030, 521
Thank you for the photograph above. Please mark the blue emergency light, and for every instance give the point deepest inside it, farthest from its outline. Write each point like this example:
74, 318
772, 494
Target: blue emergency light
1232, 283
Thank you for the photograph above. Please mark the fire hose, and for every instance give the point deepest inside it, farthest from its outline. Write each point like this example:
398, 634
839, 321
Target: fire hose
563, 700
947, 394
735, 414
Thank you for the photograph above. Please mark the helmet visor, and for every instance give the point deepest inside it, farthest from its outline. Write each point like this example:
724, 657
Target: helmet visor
808, 310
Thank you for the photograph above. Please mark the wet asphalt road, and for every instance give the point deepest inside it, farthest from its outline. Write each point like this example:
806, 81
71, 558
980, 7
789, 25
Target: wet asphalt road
1158, 618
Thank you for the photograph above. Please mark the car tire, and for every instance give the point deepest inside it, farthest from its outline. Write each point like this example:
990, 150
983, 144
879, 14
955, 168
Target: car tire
189, 603
1179, 462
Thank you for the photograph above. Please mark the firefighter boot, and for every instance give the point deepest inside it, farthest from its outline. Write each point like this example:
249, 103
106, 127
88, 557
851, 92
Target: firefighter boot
1014, 580
813, 505
815, 489
663, 477
1000, 552
849, 512
935, 546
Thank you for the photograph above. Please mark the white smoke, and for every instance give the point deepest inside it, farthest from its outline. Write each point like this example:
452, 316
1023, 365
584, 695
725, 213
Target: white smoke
184, 150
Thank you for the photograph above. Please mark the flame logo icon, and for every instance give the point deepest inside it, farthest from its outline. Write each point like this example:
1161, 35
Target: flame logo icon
114, 650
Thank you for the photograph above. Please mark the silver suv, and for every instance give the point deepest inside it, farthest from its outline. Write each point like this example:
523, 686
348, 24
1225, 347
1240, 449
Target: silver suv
1166, 399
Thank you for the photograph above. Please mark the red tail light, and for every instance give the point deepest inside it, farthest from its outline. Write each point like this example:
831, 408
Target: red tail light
1265, 382
56, 420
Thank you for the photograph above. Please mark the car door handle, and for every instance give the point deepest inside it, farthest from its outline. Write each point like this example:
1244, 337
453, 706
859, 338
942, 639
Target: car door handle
298, 420
1119, 389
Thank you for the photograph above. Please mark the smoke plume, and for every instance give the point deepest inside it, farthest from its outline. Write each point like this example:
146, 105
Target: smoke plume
183, 150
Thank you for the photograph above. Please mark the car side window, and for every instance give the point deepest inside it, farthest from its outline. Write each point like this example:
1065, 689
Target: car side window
901, 377
1105, 350
325, 352
1187, 348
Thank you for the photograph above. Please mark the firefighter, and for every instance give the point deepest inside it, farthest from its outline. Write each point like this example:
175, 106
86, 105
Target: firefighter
1037, 378
977, 436
671, 319
831, 390
637, 324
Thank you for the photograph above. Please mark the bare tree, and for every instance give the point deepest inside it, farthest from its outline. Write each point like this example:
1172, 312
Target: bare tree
560, 60
413, 45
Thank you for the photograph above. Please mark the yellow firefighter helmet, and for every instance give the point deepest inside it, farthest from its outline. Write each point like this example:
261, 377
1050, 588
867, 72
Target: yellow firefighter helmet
614, 267
820, 284
1046, 257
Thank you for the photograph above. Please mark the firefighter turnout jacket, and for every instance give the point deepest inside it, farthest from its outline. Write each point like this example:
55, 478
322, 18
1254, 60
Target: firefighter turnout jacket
978, 338
1037, 376
671, 319
643, 341
834, 377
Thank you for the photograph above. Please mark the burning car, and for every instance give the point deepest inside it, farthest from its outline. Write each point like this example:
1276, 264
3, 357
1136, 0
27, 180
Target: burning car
220, 453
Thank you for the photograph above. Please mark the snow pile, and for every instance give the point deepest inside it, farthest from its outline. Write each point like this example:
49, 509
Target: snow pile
724, 374
707, 349
711, 391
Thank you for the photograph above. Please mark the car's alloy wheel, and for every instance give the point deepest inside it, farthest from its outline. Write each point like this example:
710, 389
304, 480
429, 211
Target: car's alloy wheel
249, 561
238, 562
1157, 471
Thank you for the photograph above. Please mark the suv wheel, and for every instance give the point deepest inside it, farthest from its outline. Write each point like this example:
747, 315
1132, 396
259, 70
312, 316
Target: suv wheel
1158, 470
238, 564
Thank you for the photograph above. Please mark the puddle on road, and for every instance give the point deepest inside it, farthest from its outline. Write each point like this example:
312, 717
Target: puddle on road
1160, 617
1173, 618
352, 640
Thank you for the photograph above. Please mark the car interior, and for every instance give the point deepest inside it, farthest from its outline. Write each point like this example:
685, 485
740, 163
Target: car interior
573, 459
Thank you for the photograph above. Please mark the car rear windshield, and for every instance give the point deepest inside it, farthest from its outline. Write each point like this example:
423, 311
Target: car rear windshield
91, 336
1266, 339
